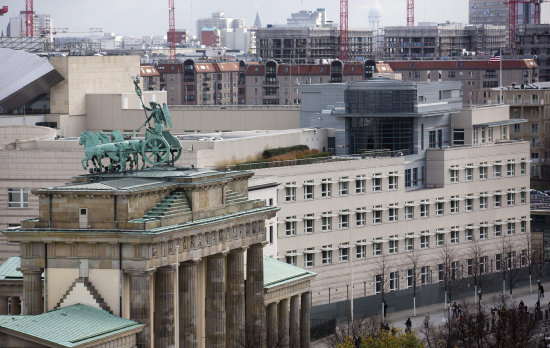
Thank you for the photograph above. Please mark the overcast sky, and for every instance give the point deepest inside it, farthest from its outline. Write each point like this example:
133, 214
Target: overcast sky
143, 17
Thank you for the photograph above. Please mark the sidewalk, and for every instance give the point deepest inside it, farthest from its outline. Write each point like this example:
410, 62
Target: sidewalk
438, 315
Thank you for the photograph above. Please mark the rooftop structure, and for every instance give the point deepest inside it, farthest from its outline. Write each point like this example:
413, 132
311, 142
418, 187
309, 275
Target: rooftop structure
532, 41
309, 19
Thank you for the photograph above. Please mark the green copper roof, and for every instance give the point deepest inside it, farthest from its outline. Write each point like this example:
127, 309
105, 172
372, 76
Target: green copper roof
278, 273
69, 326
8, 270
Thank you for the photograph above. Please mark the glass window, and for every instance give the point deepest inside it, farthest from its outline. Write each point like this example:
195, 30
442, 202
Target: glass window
470, 266
455, 270
394, 281
360, 218
523, 226
377, 184
425, 275
483, 232
483, 261
454, 204
522, 168
523, 196
360, 184
483, 202
432, 140
510, 169
393, 214
497, 229
308, 189
439, 239
498, 262
409, 244
376, 249
326, 187
308, 223
326, 221
18, 198
377, 216
291, 259
511, 228
392, 181
361, 250
344, 219
309, 259
439, 208
424, 242
393, 246
408, 178
326, 255
469, 174
497, 171
469, 204
469, 235
343, 186
511, 198
497, 201
290, 227
377, 283
410, 278
409, 212
454, 175
482, 173
290, 191
424, 210
344, 252
440, 273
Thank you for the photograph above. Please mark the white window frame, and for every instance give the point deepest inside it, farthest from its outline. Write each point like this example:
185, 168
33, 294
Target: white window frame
482, 173
290, 227
343, 220
326, 255
290, 192
439, 239
326, 222
309, 190
424, 242
424, 210
469, 174
394, 281
454, 175
483, 232
360, 184
376, 184
22, 202
343, 186
360, 218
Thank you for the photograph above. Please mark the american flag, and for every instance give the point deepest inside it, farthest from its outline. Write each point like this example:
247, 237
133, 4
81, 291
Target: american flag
495, 57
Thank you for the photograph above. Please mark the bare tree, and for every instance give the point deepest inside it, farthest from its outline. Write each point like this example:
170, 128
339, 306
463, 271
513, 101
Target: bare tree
510, 269
361, 327
528, 254
478, 270
412, 265
381, 281
448, 269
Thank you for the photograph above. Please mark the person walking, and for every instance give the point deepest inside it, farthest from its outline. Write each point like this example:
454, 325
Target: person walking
408, 325
541, 289
427, 320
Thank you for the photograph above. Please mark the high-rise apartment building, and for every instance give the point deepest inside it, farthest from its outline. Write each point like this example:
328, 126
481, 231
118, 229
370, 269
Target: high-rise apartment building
533, 40
495, 12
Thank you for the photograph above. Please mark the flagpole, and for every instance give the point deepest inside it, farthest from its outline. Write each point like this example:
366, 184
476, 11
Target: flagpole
500, 77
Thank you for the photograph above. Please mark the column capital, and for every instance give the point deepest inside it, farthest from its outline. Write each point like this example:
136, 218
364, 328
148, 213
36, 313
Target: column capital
220, 254
168, 268
191, 262
239, 249
137, 272
259, 244
30, 269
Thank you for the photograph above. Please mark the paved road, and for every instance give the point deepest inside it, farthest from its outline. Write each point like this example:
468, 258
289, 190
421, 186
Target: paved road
438, 314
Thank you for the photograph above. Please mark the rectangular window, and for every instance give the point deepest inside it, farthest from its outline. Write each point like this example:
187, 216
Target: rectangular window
415, 176
424, 210
376, 249
497, 229
377, 184
439, 239
410, 278
522, 168
439, 208
377, 283
393, 214
454, 204
469, 235
308, 223
409, 244
483, 263
458, 136
326, 221
291, 259
377, 216
454, 175
511, 198
344, 252
490, 135
498, 262
482, 172
497, 201
469, 174
408, 178
394, 281
18, 198
497, 171
523, 256
523, 196
483, 232
326, 254
511, 228
344, 219
432, 142
360, 218
393, 180
469, 204
290, 191
309, 259
290, 227
308, 189
510, 169
361, 249
424, 242
409, 211
440, 273
326, 187
470, 266
360, 184
393, 246
425, 275
343, 186
455, 270
483, 202
523, 226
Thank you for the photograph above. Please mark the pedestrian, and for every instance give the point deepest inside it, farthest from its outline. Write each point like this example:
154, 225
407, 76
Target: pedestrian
408, 325
459, 310
455, 311
385, 308
541, 288
427, 320
522, 306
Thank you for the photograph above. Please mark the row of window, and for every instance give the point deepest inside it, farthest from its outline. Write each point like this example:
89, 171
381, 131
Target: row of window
343, 186
409, 210
482, 170
425, 237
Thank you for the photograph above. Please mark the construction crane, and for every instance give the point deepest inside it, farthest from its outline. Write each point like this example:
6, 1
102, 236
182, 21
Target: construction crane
344, 43
513, 19
410, 13
171, 29
29, 18
3, 10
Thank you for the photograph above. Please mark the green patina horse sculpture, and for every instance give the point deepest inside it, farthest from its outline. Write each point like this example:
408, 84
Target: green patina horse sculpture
95, 151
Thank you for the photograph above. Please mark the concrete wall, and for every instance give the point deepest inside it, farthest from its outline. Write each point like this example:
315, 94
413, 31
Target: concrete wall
90, 74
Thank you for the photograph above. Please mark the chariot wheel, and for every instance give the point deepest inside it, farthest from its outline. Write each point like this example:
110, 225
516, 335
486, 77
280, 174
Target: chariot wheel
155, 150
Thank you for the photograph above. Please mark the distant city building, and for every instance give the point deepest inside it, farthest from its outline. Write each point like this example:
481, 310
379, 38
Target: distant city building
495, 12
42, 25
474, 74
532, 41
278, 84
210, 37
219, 20
309, 19
257, 21
197, 83
303, 45
150, 78
182, 36
430, 40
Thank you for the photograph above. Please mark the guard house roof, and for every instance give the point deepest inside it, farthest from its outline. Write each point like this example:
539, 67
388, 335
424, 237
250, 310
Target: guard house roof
72, 326
462, 64
147, 70
23, 77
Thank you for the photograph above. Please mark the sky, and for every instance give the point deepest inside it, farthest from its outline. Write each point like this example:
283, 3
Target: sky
150, 17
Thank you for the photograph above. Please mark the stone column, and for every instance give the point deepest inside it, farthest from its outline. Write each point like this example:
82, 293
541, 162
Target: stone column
140, 305
255, 309
304, 320
272, 325
215, 301
283, 323
294, 321
4, 305
164, 320
32, 291
188, 304
15, 305
234, 305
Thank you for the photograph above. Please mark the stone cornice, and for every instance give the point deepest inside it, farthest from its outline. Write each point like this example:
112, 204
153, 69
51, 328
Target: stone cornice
287, 290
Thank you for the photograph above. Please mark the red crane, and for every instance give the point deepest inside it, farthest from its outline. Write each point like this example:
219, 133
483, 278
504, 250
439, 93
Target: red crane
344, 43
410, 13
171, 29
29, 18
513, 18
